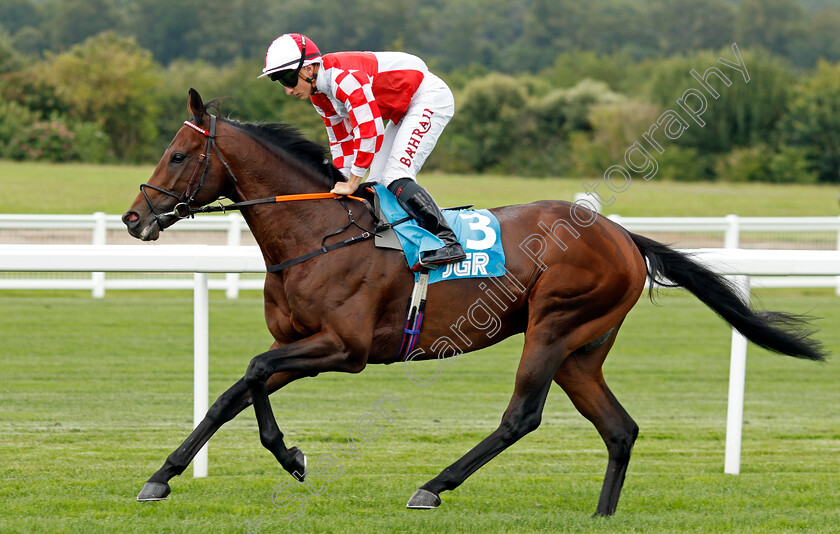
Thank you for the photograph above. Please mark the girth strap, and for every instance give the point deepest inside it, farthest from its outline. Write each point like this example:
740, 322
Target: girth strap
414, 319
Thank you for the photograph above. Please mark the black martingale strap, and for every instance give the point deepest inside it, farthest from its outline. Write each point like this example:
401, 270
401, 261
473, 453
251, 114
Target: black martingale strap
380, 226
323, 250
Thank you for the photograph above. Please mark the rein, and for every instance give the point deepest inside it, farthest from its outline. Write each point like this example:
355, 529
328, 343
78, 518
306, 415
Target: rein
180, 209
183, 209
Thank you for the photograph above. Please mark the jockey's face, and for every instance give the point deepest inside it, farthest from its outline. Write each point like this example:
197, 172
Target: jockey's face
303, 89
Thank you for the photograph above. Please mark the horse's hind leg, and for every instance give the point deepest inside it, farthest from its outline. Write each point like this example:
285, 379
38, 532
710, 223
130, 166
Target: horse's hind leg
227, 406
581, 378
523, 415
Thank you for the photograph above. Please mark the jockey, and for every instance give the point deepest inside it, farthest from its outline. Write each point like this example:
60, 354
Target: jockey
355, 93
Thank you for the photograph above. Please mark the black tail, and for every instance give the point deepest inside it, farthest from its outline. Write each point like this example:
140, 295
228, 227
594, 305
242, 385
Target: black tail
775, 331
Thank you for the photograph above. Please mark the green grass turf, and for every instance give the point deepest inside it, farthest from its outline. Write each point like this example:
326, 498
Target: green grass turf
96, 393
78, 188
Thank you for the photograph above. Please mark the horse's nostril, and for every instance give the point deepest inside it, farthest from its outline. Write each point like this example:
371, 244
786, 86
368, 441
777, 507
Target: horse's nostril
130, 217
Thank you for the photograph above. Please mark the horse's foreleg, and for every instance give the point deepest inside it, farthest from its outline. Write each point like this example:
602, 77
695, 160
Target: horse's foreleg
523, 415
313, 355
227, 406
581, 378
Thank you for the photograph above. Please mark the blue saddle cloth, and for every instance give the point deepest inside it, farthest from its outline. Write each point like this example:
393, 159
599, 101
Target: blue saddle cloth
478, 231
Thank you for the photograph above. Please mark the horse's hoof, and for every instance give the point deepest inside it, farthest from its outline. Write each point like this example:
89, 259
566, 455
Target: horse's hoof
423, 500
298, 469
154, 491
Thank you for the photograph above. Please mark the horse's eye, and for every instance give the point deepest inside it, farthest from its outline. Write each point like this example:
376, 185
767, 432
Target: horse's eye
178, 157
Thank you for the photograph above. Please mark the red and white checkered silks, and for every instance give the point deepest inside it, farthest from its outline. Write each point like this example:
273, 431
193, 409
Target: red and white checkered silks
357, 93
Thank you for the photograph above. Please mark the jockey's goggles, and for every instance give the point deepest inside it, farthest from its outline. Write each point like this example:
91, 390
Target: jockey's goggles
287, 78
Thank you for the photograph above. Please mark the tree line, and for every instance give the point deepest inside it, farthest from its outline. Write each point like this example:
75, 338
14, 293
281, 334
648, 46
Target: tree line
502, 35
543, 87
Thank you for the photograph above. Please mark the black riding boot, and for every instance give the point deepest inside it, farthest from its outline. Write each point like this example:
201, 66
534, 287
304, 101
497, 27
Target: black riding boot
420, 204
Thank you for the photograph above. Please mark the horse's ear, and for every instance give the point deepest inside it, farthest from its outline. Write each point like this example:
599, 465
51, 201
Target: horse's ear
196, 106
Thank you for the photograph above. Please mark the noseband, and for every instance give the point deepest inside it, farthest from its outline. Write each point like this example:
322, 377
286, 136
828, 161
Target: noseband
182, 209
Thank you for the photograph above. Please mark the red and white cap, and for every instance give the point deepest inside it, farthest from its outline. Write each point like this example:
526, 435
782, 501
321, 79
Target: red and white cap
285, 53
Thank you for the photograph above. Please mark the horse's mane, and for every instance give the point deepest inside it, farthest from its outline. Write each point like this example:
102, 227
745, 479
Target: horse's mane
291, 141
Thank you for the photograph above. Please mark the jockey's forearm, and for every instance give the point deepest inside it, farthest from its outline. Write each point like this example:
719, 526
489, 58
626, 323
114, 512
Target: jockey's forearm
354, 181
348, 187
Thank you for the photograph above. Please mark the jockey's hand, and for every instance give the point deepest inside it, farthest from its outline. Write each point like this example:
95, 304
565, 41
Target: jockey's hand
348, 187
343, 188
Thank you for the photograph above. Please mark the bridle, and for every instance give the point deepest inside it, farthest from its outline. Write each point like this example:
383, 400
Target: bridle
183, 207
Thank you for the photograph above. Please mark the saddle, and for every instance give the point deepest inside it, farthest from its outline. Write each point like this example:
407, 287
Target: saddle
478, 231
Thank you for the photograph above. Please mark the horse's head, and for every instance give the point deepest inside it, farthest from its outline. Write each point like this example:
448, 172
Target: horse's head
184, 178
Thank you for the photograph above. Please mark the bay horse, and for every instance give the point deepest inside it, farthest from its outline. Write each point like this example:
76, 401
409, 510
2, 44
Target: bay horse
570, 279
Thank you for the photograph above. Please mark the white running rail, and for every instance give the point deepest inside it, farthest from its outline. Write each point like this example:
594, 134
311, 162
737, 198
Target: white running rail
203, 259
99, 224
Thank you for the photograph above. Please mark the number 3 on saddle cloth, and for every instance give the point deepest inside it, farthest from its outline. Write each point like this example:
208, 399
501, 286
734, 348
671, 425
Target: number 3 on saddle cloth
479, 233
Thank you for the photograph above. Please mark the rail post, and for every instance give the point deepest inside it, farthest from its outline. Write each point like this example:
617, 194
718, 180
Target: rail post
201, 364
837, 290
100, 235
234, 239
732, 238
737, 380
